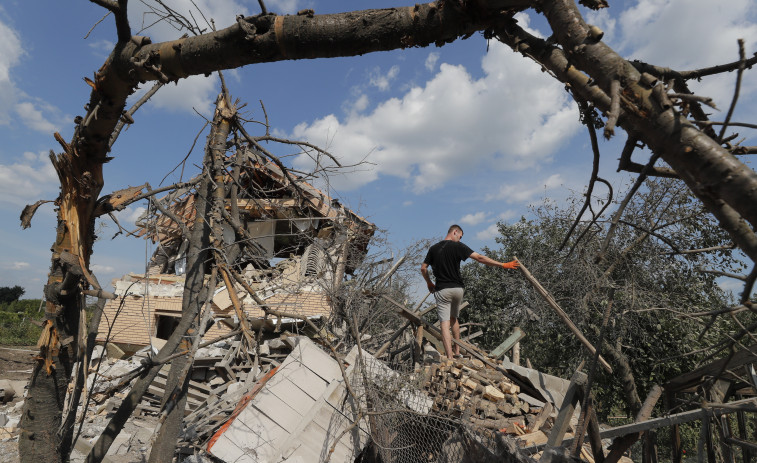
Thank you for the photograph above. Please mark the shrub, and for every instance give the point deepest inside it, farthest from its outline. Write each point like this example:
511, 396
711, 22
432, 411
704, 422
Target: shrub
16, 326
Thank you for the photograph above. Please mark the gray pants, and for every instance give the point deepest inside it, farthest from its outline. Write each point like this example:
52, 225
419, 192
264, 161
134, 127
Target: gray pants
448, 302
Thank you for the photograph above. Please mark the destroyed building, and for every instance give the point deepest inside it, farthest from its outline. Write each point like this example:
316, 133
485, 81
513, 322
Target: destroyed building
300, 392
306, 241
292, 388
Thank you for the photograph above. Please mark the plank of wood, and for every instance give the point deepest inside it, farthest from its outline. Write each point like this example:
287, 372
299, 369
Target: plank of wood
533, 438
508, 343
572, 396
561, 313
541, 418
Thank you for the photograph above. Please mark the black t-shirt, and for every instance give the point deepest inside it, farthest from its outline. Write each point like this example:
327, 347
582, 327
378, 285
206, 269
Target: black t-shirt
444, 258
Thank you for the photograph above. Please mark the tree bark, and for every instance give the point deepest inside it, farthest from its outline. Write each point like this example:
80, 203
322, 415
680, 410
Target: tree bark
626, 377
708, 169
197, 255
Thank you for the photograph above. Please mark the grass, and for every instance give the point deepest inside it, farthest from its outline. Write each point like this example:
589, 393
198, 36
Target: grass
16, 326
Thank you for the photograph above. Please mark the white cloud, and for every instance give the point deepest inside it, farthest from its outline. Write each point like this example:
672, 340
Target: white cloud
488, 233
102, 47
97, 268
193, 93
474, 219
357, 106
492, 231
129, 215
407, 203
525, 192
431, 60
514, 117
691, 34
28, 180
10, 54
35, 115
33, 118
383, 81
17, 265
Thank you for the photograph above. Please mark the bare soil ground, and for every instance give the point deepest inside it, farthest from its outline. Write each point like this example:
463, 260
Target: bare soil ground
16, 363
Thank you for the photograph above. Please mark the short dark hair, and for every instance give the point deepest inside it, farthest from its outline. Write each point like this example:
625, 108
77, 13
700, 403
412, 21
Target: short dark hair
455, 226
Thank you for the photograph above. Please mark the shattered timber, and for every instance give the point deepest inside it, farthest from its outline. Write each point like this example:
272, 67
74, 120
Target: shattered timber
245, 331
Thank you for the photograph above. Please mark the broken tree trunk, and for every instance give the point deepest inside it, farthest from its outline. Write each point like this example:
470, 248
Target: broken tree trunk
194, 298
727, 187
255, 39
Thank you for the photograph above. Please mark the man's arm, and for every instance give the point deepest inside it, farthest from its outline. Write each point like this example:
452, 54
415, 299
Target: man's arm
429, 283
493, 263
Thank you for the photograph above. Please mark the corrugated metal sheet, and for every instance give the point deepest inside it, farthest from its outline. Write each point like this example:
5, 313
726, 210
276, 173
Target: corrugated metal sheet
298, 415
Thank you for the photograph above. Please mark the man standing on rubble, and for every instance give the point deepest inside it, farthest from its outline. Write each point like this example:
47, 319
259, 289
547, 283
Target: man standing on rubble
444, 258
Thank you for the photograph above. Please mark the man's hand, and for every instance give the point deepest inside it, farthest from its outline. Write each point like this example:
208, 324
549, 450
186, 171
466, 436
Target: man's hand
431, 287
513, 264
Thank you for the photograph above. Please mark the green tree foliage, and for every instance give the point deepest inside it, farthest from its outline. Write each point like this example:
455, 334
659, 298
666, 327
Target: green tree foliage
655, 288
16, 322
10, 294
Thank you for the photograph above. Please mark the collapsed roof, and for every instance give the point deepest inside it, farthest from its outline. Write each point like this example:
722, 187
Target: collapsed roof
303, 243
281, 213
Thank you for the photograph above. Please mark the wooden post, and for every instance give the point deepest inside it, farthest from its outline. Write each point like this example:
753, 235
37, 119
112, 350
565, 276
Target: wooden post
594, 438
724, 431
650, 447
745, 451
516, 353
568, 408
676, 453
704, 446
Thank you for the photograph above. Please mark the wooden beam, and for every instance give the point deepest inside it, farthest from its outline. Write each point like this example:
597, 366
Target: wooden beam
744, 444
572, 397
686, 380
508, 343
746, 451
595, 439
670, 420
561, 313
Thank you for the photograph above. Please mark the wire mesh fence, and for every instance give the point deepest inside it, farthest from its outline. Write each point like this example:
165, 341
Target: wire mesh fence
412, 419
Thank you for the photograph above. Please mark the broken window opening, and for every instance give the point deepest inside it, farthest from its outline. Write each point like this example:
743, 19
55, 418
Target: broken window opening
164, 325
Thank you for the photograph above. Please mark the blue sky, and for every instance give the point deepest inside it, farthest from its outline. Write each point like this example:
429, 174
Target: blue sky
469, 133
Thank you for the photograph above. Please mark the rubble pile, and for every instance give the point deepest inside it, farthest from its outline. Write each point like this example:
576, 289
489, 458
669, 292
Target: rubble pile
229, 377
220, 376
469, 388
289, 399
